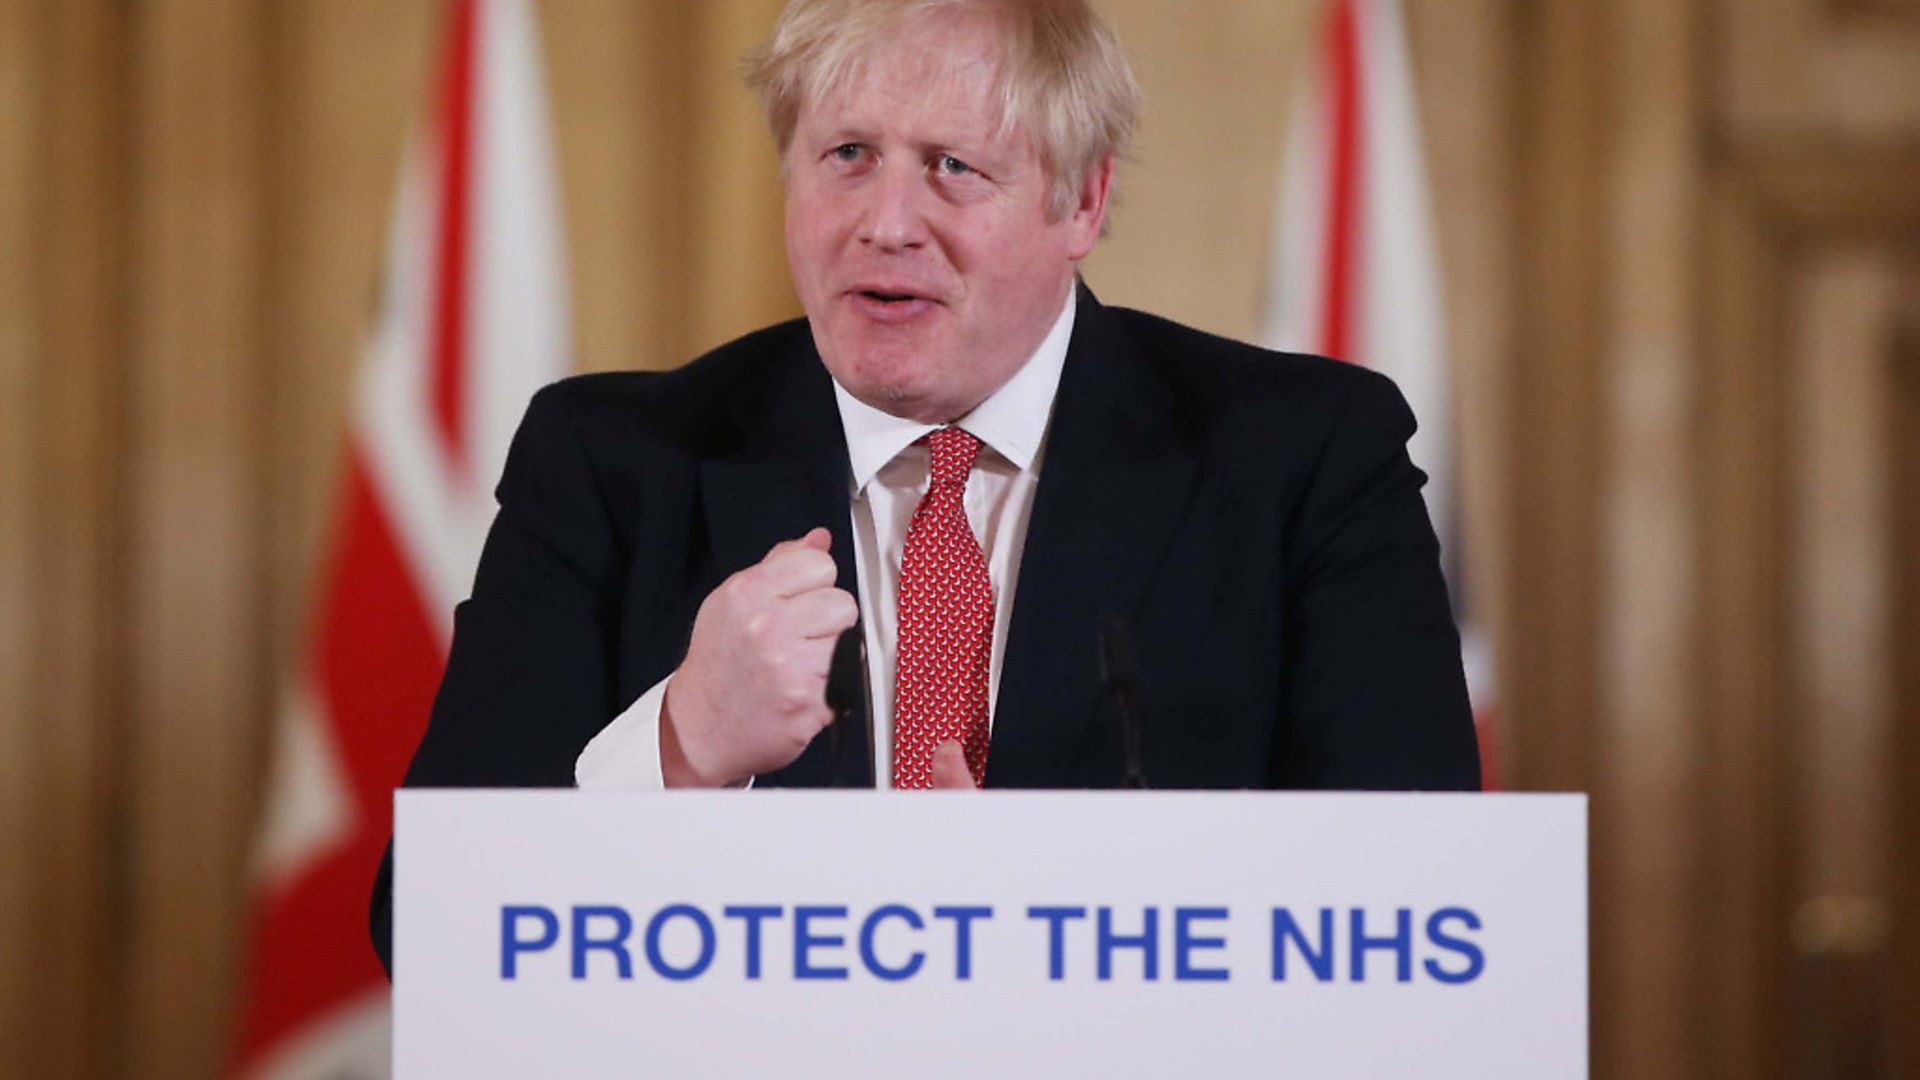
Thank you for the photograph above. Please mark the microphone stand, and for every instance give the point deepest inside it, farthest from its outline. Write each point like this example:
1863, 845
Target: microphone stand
1120, 683
846, 689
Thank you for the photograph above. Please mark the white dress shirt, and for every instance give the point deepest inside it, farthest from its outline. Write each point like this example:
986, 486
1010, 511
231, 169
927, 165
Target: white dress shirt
887, 475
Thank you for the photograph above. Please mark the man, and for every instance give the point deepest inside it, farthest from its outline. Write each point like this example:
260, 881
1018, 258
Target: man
964, 453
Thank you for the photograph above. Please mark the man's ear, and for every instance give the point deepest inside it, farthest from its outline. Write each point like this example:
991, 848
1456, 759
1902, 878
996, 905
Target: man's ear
1089, 217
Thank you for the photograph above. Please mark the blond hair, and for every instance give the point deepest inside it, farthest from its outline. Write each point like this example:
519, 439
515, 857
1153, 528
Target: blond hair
1063, 80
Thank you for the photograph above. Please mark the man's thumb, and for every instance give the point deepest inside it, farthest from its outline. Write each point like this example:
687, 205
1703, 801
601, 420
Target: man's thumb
818, 538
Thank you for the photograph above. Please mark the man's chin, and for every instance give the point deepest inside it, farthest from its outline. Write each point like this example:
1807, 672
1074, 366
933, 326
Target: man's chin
903, 402
889, 378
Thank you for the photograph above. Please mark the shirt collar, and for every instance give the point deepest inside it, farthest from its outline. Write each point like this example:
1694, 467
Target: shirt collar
1013, 421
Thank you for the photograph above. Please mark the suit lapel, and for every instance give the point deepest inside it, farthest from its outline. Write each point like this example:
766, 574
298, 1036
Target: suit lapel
1114, 481
786, 475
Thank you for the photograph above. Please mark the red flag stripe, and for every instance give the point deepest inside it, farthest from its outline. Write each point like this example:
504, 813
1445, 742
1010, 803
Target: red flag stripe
375, 663
1486, 724
1341, 282
452, 274
476, 184
375, 658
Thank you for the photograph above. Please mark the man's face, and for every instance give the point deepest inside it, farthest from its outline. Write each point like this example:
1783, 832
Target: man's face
917, 236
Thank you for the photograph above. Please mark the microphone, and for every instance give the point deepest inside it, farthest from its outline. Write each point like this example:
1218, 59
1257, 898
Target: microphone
1120, 683
847, 690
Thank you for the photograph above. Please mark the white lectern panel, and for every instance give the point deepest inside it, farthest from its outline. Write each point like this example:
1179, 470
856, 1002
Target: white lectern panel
855, 934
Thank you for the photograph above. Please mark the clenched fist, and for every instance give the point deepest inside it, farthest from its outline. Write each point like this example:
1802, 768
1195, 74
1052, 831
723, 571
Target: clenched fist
751, 693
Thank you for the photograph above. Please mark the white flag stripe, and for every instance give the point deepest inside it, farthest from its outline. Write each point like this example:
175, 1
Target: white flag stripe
520, 339
1397, 322
352, 1043
1398, 325
432, 513
518, 333
1296, 291
1401, 326
306, 810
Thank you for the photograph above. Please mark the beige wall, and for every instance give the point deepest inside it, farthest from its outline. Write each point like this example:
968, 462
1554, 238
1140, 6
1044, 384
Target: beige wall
1682, 245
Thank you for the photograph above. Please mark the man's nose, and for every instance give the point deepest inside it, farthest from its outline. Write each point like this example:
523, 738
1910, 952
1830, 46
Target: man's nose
896, 213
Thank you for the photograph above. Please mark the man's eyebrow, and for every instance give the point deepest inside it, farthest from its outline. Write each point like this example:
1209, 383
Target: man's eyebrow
954, 143
848, 132
978, 141
983, 144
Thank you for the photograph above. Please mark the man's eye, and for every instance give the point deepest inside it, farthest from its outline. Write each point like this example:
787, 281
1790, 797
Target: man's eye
847, 152
948, 165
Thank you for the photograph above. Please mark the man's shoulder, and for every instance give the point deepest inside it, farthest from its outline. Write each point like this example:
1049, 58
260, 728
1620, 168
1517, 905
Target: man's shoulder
686, 398
1222, 373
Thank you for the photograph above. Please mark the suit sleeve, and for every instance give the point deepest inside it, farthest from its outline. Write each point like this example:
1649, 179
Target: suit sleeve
1373, 686
529, 678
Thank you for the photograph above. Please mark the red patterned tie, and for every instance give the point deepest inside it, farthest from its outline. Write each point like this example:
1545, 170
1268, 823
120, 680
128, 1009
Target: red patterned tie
946, 623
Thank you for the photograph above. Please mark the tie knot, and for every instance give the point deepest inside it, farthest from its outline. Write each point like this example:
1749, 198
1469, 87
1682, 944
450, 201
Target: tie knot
953, 453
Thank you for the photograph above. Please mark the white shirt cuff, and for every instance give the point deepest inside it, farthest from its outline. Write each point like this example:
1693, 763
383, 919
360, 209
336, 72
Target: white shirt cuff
625, 756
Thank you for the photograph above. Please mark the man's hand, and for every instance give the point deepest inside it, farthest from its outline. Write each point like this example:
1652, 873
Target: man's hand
751, 693
950, 767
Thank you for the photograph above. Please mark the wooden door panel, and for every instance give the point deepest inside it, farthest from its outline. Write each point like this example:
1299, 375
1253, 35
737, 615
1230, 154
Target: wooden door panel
1838, 766
1817, 68
1802, 485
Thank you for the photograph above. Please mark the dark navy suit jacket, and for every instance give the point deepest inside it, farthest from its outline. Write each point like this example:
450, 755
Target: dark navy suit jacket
1252, 517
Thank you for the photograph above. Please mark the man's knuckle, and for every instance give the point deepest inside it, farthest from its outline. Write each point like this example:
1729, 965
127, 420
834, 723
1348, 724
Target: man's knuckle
732, 593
